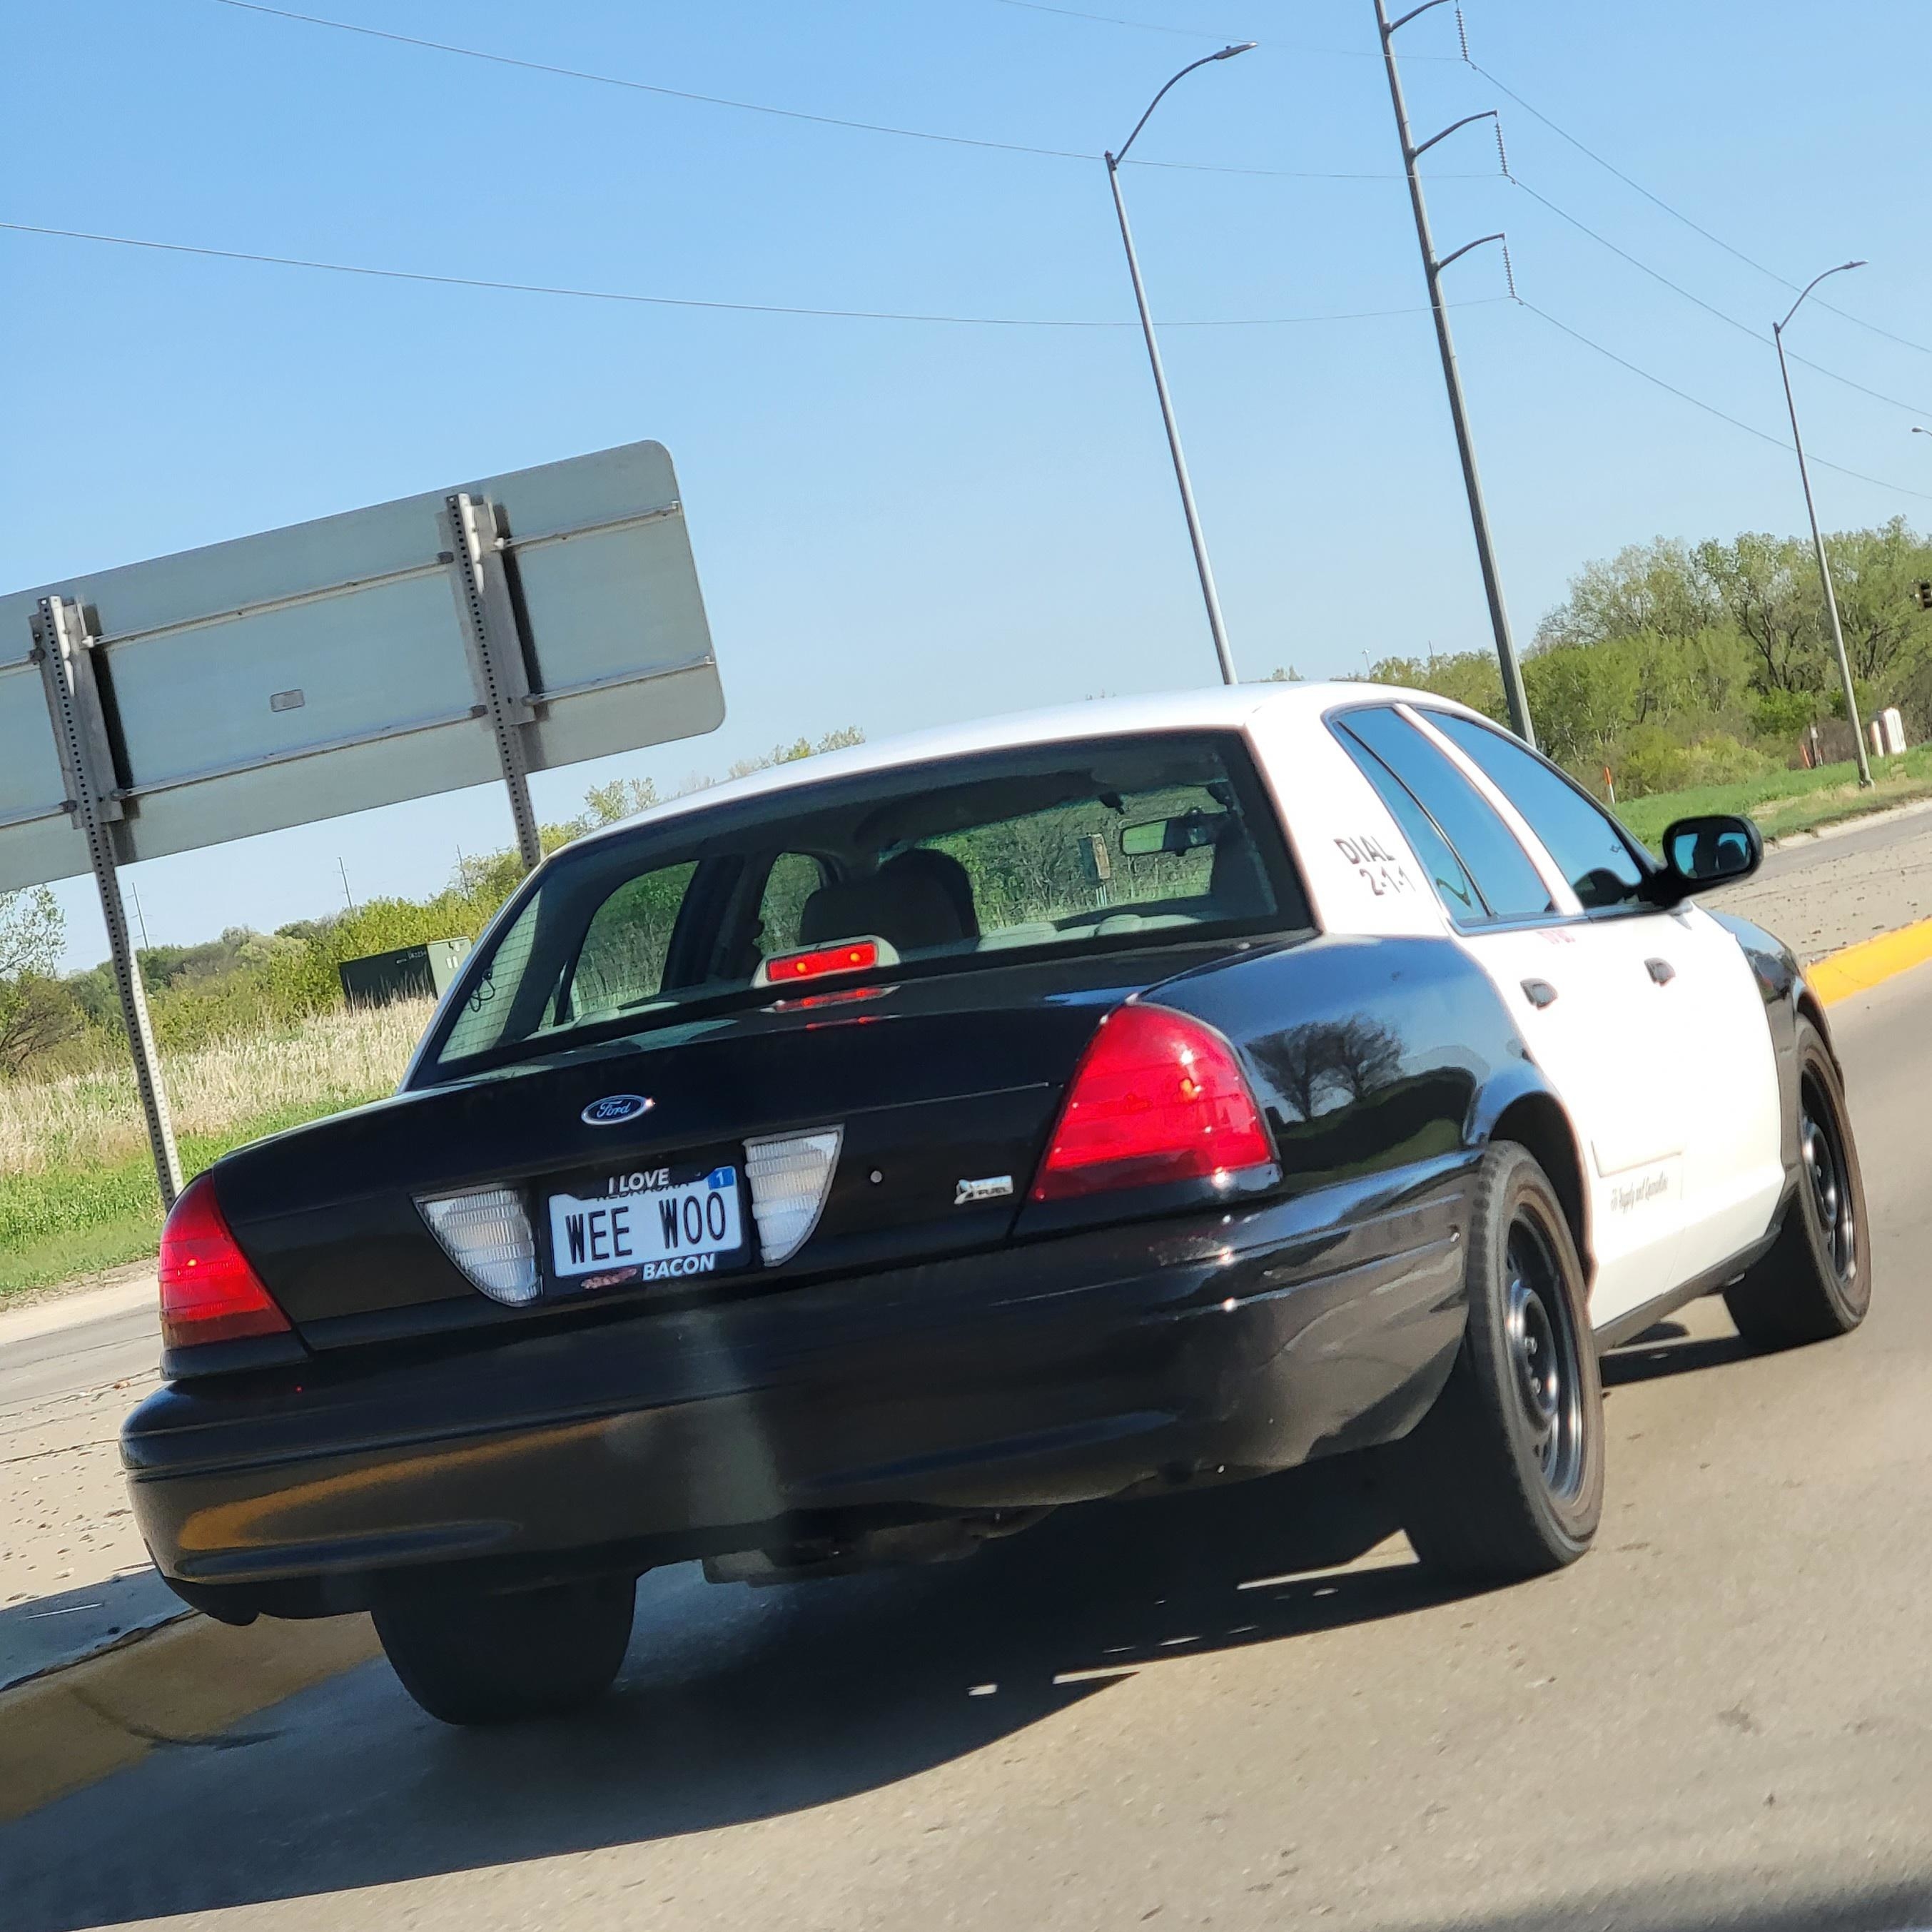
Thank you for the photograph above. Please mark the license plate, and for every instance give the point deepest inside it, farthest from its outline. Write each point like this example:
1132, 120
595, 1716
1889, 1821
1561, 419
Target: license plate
646, 1227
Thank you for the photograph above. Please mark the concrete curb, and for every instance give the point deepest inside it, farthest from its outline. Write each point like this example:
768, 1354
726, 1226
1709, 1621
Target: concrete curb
1857, 969
183, 1683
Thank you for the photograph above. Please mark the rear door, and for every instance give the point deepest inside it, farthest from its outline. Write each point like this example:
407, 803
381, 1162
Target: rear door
1703, 1003
1585, 1005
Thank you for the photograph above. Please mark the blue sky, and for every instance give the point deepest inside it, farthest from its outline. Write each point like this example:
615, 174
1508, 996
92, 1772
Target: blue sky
899, 524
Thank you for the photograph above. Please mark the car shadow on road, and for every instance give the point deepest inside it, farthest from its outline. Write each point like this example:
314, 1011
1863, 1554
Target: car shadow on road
735, 1705
1670, 1349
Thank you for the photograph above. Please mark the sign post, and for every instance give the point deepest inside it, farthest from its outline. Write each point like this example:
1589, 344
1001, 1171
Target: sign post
65, 645
477, 543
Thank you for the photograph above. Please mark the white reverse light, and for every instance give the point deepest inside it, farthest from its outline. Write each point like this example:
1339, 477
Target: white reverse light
485, 1231
790, 1175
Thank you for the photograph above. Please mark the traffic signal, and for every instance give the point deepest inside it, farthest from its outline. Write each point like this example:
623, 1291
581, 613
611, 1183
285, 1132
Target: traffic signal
1921, 595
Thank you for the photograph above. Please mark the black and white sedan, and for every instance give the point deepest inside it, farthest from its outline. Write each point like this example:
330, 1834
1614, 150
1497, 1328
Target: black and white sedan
851, 1164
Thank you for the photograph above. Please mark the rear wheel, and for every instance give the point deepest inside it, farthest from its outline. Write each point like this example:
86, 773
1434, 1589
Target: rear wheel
1503, 1477
1816, 1283
469, 1658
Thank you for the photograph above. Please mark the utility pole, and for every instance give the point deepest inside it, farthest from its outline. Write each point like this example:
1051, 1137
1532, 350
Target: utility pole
1777, 329
1209, 596
348, 898
1479, 516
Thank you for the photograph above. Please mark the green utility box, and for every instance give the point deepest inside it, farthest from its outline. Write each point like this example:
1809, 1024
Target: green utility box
410, 973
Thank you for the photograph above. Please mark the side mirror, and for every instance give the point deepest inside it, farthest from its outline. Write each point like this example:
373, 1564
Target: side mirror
1699, 853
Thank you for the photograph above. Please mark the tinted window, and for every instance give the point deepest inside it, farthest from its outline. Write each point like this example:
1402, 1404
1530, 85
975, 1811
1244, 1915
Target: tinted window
1593, 855
621, 961
793, 878
1486, 846
954, 865
1445, 871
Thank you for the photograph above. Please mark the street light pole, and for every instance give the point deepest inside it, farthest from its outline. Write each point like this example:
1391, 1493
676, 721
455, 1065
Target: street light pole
1209, 596
1777, 329
1472, 482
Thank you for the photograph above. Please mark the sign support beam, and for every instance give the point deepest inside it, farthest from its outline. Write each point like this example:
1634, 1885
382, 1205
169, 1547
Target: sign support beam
63, 643
479, 541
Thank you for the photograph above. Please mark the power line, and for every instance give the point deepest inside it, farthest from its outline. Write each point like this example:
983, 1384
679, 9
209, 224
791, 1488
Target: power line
1198, 33
927, 134
1710, 408
1678, 215
692, 302
1729, 321
648, 87
1111, 20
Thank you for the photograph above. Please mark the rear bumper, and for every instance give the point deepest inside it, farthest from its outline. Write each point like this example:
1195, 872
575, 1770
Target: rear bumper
1054, 1373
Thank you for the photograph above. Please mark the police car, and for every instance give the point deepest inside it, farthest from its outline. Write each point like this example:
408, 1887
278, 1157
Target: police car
853, 1163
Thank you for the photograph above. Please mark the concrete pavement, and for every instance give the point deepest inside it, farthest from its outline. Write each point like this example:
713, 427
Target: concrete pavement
1850, 883
1186, 1713
73, 1575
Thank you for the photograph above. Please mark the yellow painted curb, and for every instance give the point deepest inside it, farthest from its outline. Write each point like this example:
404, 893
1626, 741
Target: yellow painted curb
1857, 969
183, 1683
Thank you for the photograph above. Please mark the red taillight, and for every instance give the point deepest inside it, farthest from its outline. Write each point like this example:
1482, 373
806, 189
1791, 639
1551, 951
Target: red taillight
1157, 1097
853, 957
209, 1291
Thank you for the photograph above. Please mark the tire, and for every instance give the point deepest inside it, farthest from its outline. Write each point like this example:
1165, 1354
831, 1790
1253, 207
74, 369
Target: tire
469, 1658
1816, 1282
1503, 1478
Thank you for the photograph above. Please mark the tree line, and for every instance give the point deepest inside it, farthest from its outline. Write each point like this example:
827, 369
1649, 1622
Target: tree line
1675, 664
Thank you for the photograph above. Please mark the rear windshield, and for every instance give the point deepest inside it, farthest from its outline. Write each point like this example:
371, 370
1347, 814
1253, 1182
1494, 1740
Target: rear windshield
956, 866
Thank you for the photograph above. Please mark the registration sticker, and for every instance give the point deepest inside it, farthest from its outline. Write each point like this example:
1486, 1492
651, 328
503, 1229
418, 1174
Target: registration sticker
645, 1226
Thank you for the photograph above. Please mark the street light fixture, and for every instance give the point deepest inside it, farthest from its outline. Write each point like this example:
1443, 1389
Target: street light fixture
1777, 329
1209, 596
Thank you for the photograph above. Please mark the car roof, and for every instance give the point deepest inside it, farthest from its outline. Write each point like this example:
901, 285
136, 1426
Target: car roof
1216, 707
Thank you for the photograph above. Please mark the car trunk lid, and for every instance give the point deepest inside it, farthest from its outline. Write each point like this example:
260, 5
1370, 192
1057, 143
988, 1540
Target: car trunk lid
939, 1091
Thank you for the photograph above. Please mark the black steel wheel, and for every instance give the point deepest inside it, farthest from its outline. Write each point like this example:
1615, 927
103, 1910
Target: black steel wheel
1816, 1282
1546, 1353
1503, 1477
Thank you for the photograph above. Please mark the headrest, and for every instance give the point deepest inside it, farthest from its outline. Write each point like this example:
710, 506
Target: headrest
912, 911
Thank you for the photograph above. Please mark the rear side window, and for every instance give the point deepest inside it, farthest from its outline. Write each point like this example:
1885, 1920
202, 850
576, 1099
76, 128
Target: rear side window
1453, 885
1591, 852
1485, 850
621, 961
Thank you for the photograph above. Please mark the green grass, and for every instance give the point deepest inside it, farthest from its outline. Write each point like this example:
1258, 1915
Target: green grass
64, 1223
1787, 802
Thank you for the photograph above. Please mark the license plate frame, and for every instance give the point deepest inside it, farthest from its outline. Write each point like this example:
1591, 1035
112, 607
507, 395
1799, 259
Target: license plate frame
626, 1198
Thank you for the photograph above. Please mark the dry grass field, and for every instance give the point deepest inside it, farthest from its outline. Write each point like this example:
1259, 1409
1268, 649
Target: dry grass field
77, 1191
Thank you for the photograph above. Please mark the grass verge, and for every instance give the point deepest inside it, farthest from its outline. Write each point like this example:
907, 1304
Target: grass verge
62, 1224
1783, 803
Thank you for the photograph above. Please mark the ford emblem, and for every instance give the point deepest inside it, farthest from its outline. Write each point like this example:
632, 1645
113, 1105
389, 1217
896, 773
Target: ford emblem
615, 1108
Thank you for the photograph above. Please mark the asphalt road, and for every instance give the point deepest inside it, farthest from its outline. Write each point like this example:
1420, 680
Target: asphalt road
1856, 880
1723, 1716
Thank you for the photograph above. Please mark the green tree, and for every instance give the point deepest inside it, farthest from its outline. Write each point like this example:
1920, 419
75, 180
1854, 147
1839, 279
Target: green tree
1468, 677
37, 1012
1657, 589
1874, 572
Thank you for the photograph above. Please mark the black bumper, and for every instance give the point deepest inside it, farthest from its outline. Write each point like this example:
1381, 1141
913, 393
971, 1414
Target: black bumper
1052, 1372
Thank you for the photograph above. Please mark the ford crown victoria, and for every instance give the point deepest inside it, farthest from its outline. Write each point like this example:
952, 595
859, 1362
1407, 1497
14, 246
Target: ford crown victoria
853, 1163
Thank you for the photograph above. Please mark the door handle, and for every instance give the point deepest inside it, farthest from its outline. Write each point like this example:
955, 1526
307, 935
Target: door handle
1661, 971
1540, 993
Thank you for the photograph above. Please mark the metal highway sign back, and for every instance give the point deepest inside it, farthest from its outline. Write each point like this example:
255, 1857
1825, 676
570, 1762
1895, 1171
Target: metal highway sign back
362, 659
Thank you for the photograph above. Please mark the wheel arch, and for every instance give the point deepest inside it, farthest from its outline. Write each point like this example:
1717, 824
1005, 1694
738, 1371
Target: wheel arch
1809, 1006
1534, 1118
